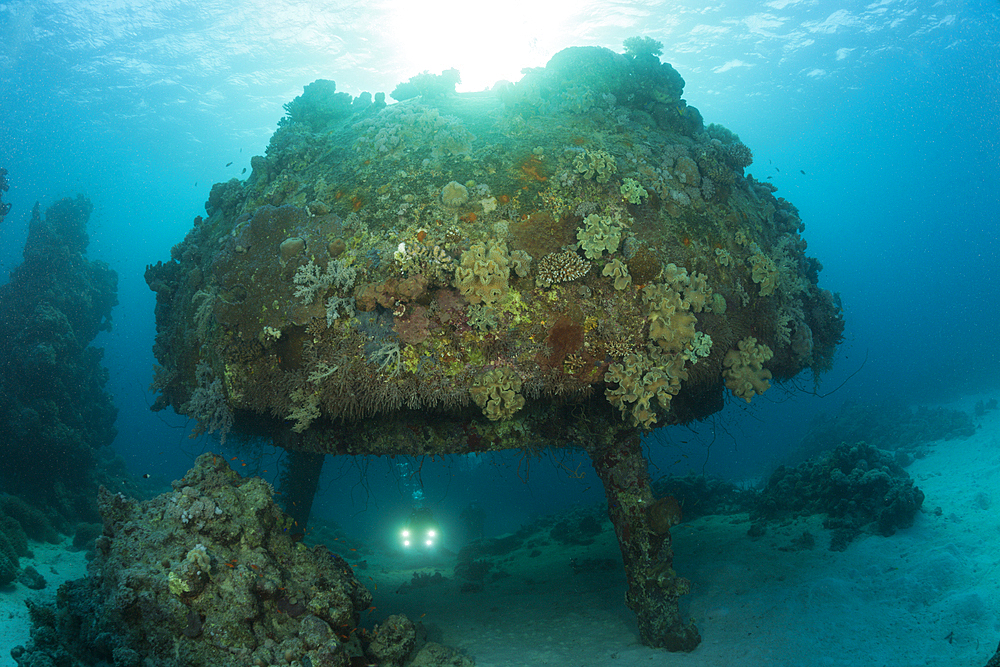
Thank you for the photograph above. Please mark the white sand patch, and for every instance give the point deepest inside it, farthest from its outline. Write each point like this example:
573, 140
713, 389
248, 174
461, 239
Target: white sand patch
54, 562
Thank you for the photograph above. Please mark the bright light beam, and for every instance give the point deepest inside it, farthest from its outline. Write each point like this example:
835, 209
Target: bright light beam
486, 42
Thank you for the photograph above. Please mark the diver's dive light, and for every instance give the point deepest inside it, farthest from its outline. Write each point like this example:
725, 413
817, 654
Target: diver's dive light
421, 530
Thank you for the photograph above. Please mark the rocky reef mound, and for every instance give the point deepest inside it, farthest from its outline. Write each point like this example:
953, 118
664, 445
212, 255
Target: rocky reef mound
209, 575
857, 487
57, 419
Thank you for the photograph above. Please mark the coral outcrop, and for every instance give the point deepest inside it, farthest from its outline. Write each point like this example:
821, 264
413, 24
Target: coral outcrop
56, 416
858, 487
266, 289
887, 426
209, 574
20, 522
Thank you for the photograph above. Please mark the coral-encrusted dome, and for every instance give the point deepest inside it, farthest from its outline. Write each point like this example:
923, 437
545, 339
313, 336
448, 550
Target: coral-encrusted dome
378, 262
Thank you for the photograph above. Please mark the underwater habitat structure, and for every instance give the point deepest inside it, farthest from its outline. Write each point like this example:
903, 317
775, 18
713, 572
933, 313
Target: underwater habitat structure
571, 260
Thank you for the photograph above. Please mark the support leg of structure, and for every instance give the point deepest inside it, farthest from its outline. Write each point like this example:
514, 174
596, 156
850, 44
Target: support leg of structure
653, 586
299, 481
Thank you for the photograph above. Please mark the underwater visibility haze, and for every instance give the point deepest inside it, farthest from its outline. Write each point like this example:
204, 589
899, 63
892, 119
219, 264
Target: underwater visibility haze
369, 333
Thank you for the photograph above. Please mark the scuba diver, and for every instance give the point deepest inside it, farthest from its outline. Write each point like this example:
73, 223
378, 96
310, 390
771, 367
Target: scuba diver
421, 531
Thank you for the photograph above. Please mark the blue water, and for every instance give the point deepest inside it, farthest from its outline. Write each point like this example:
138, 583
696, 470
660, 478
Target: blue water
880, 122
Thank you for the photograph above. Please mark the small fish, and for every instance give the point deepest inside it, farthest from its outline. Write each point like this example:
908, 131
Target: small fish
196, 184
245, 171
776, 169
229, 164
770, 177
800, 171
146, 476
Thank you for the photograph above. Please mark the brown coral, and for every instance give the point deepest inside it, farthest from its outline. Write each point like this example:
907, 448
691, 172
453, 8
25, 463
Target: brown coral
561, 267
413, 328
541, 233
565, 337
663, 514
390, 292
644, 265
738, 155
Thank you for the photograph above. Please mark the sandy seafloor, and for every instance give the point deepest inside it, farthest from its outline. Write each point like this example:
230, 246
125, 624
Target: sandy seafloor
928, 595
58, 564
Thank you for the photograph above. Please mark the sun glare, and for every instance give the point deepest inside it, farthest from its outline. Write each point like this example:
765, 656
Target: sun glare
486, 42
